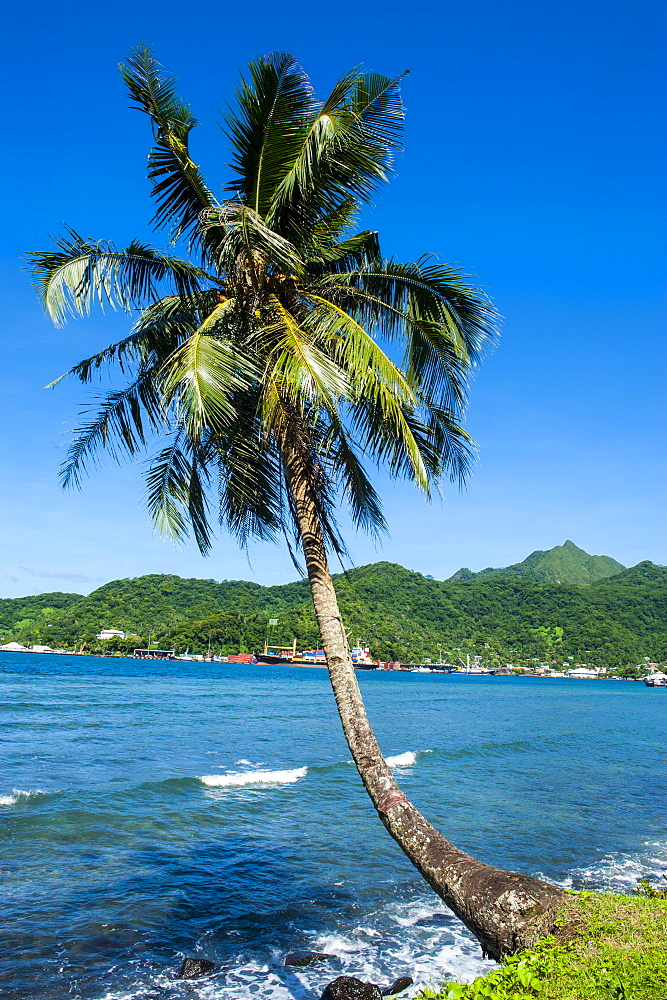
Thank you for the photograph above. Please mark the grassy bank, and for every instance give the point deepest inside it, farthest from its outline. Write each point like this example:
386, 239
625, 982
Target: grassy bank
609, 947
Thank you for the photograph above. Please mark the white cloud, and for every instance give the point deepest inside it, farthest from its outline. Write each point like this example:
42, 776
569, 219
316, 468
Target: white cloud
58, 574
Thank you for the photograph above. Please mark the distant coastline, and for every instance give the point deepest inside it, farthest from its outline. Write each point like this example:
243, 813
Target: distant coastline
618, 623
555, 675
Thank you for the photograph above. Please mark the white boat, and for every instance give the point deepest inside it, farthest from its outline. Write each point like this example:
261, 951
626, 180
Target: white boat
475, 668
657, 680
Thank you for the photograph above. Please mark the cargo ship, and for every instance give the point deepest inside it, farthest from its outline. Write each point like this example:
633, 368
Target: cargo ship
289, 656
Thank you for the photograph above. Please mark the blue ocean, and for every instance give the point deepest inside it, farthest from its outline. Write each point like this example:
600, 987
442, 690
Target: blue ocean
151, 810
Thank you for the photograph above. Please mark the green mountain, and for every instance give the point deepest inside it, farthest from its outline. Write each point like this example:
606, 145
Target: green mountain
403, 615
562, 564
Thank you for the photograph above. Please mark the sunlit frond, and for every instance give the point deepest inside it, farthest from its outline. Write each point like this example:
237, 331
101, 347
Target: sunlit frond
81, 273
200, 378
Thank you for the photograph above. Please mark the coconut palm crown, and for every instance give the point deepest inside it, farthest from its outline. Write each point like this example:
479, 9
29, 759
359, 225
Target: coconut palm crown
281, 327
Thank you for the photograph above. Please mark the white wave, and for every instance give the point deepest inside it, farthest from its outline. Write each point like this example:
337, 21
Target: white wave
403, 759
620, 872
400, 938
417, 937
392, 941
254, 778
18, 794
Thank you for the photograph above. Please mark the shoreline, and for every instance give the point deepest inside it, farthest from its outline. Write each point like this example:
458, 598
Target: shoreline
317, 666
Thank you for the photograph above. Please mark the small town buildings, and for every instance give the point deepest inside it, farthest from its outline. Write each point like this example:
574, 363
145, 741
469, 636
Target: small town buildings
111, 633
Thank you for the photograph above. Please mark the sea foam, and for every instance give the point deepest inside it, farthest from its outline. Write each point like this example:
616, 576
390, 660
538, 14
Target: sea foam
620, 872
375, 943
402, 759
254, 778
19, 795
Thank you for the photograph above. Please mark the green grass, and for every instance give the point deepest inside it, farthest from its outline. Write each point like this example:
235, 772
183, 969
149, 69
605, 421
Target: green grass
608, 947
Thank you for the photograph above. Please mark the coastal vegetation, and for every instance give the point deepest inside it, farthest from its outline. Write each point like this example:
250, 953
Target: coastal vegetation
606, 947
615, 623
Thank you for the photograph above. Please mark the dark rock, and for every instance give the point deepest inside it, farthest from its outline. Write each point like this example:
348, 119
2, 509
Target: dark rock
349, 988
397, 986
435, 918
192, 968
302, 958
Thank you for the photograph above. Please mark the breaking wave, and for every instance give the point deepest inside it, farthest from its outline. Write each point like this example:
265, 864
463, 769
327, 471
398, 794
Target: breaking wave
238, 780
620, 871
403, 759
406, 759
19, 795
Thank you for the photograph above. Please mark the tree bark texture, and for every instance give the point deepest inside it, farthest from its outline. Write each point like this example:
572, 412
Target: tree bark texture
506, 911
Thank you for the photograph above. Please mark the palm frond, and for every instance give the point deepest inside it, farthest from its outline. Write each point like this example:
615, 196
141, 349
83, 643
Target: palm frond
80, 273
247, 239
160, 329
347, 468
346, 152
119, 426
359, 251
274, 108
199, 380
451, 450
251, 500
329, 226
300, 371
355, 350
179, 188
176, 481
383, 402
434, 293
392, 435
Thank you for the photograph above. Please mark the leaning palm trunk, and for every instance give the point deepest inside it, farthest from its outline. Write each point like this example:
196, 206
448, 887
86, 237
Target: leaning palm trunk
506, 911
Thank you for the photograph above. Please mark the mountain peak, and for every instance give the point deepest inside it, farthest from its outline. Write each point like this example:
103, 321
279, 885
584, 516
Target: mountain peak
565, 564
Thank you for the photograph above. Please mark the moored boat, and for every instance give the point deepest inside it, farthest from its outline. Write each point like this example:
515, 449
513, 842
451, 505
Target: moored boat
288, 656
475, 668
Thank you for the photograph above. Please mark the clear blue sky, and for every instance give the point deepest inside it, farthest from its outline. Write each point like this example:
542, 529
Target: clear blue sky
534, 157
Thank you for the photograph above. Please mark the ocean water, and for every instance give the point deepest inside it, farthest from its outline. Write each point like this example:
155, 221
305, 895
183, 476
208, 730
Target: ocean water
150, 811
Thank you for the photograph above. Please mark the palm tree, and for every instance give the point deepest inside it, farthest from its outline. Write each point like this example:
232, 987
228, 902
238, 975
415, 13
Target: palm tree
276, 358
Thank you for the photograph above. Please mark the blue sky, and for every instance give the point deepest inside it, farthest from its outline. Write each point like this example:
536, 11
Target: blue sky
534, 158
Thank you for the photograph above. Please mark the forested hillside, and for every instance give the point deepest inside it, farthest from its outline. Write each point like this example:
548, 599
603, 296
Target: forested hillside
563, 564
21, 612
402, 615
